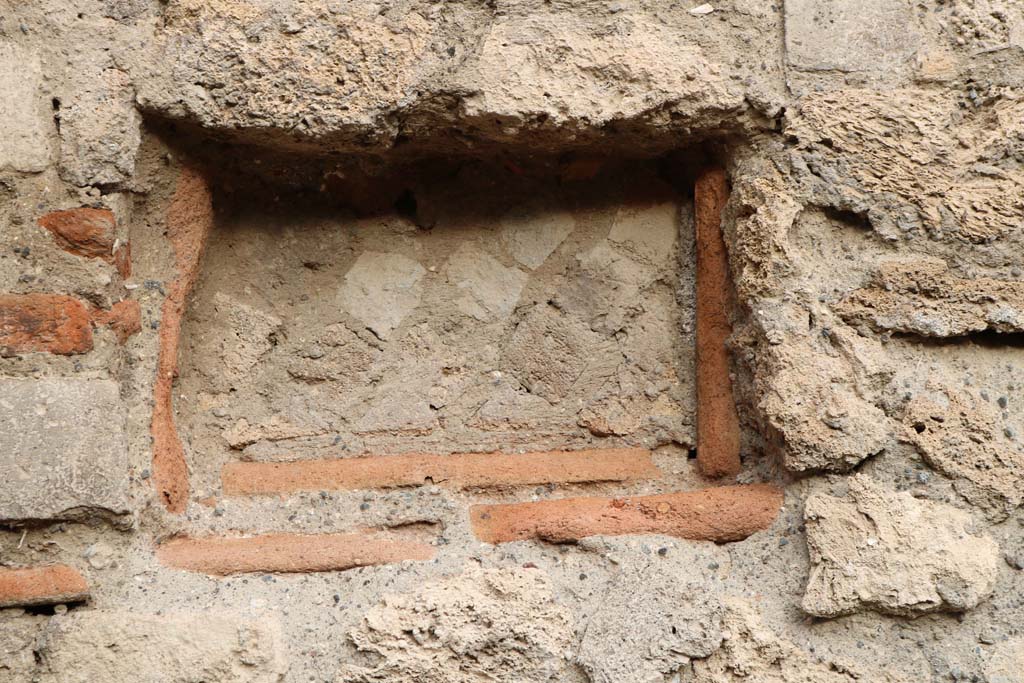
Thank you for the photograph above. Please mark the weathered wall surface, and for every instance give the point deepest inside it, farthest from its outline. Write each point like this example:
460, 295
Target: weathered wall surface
354, 341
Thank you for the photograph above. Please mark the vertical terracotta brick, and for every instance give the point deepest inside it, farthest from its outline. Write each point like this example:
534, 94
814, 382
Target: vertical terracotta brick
289, 553
50, 585
718, 429
44, 322
189, 221
720, 514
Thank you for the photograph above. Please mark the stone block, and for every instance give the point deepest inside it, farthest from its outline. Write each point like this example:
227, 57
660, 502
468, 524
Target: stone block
23, 146
122, 646
827, 35
63, 447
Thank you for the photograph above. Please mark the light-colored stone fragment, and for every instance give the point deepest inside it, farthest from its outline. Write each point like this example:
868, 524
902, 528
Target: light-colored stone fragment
918, 295
63, 445
649, 231
871, 35
250, 334
381, 289
960, 434
126, 647
499, 625
889, 552
100, 130
752, 652
654, 618
26, 124
1007, 662
486, 288
815, 399
532, 237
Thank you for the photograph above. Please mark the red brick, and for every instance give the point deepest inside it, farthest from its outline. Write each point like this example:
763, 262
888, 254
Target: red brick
718, 429
288, 553
124, 318
34, 586
726, 513
464, 470
189, 221
44, 322
83, 231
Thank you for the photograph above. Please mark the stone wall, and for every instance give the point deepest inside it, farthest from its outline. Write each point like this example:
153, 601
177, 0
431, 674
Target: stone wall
353, 341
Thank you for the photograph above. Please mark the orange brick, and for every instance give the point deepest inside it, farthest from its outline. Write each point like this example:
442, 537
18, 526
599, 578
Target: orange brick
124, 318
34, 586
83, 231
189, 221
44, 322
726, 513
288, 553
464, 470
718, 428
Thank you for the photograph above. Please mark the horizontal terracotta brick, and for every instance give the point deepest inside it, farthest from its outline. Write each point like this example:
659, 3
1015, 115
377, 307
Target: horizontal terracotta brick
44, 322
288, 553
464, 470
51, 585
83, 231
726, 513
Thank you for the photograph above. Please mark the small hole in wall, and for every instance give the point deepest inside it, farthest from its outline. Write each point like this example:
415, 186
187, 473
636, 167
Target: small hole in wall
919, 427
405, 205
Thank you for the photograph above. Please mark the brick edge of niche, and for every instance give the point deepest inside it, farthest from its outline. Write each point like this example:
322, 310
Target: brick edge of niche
53, 584
189, 221
288, 553
462, 470
718, 430
720, 514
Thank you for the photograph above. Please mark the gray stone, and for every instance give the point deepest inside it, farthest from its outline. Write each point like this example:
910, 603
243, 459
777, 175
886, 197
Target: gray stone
648, 231
125, 647
26, 123
889, 552
486, 288
64, 446
381, 289
99, 129
531, 238
825, 35
658, 614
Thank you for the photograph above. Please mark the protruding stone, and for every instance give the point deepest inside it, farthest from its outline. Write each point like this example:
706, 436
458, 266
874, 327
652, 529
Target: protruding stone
501, 625
889, 552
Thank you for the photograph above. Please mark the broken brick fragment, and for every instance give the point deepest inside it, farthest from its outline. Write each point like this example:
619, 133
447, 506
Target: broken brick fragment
52, 323
34, 586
